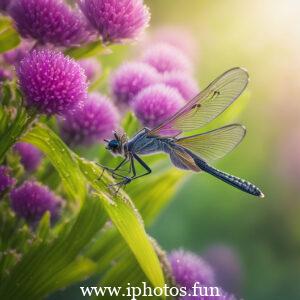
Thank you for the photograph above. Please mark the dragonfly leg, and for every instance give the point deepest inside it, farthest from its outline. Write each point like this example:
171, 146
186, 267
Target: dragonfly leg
126, 179
120, 184
143, 164
112, 171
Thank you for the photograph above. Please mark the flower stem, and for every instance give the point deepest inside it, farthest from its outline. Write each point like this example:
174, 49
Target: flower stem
20, 124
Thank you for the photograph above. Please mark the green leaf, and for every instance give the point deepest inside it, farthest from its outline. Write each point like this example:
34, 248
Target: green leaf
43, 228
127, 220
17, 127
9, 38
7, 92
121, 210
49, 266
126, 270
61, 158
91, 49
107, 248
80, 269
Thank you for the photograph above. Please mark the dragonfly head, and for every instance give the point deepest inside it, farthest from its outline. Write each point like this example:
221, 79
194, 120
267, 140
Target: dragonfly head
116, 145
113, 145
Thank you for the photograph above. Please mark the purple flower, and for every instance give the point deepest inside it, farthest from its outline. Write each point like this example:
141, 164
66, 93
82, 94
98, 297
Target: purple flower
166, 58
49, 21
188, 268
91, 123
155, 104
51, 82
14, 56
129, 79
91, 67
184, 83
32, 199
4, 5
227, 266
6, 181
30, 156
116, 20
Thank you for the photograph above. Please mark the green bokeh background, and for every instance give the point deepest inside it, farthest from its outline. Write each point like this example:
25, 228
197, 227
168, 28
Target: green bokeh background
264, 37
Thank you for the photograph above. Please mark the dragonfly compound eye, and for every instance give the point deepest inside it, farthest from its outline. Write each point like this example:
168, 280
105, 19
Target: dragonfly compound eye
113, 144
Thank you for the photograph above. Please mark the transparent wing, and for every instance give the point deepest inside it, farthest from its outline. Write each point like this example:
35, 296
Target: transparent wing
184, 161
214, 144
207, 105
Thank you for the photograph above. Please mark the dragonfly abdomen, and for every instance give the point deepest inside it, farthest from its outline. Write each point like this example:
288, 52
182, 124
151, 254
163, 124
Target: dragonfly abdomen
237, 182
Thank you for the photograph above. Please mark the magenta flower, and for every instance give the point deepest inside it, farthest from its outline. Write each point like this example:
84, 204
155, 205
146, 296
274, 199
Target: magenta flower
51, 82
32, 199
14, 56
116, 20
184, 83
129, 79
49, 21
91, 123
156, 103
30, 156
166, 58
6, 181
91, 67
4, 5
188, 268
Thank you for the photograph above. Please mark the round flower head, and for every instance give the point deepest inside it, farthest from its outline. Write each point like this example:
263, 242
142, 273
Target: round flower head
6, 181
30, 156
130, 78
91, 123
184, 83
14, 56
49, 21
91, 67
166, 58
188, 268
51, 82
227, 266
32, 199
156, 103
116, 20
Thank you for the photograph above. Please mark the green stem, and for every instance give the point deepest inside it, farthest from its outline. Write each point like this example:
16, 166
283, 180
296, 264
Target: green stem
20, 124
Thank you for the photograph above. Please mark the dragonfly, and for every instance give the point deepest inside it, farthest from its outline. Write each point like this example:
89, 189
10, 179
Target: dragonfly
195, 152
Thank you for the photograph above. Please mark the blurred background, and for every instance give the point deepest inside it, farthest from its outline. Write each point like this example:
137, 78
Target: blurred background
256, 241
264, 37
